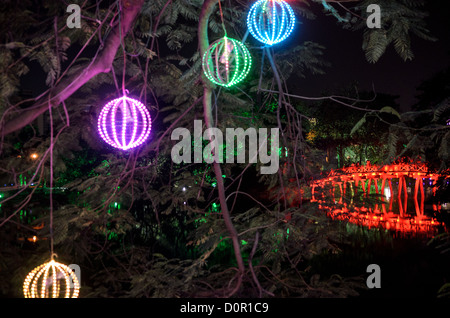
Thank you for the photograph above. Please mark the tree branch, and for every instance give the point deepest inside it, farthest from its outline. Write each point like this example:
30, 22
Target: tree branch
101, 63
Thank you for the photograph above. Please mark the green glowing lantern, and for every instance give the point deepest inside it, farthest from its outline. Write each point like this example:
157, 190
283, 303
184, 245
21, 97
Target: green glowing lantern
226, 62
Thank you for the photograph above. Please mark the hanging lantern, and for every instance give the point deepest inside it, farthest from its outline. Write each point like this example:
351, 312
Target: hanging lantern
271, 21
51, 280
226, 62
124, 123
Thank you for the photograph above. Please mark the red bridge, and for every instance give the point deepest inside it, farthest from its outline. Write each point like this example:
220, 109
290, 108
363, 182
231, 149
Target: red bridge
374, 179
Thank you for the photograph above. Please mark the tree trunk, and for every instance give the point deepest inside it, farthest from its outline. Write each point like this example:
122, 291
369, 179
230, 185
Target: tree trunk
203, 39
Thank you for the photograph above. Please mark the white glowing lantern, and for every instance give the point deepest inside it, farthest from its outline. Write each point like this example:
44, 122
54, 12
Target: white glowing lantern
51, 280
271, 21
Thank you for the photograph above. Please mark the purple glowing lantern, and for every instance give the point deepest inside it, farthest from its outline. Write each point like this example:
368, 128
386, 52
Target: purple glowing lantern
124, 123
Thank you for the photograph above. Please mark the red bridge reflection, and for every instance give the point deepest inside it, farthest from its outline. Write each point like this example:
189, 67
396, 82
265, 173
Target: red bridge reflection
397, 185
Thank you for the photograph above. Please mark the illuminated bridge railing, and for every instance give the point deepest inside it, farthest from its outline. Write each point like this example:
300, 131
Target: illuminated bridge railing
380, 178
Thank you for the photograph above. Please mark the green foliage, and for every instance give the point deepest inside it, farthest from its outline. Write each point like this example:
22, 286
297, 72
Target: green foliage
354, 135
422, 135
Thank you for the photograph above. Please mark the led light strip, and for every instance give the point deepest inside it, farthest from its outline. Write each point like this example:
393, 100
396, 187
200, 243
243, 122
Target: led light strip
226, 62
40, 277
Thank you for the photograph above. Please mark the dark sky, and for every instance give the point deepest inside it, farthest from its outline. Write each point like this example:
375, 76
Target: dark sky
390, 74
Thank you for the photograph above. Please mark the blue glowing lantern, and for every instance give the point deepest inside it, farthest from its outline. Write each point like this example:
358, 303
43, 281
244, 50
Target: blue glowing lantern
271, 21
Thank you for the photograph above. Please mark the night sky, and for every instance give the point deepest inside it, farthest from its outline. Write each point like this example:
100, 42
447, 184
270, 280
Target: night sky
390, 74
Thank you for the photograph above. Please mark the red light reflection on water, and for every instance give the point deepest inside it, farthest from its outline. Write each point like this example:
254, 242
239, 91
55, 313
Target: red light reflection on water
374, 218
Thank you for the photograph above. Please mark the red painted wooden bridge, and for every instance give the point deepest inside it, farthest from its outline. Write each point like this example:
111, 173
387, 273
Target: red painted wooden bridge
383, 180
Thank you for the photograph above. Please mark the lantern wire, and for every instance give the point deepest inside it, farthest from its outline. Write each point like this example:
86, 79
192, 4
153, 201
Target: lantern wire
221, 17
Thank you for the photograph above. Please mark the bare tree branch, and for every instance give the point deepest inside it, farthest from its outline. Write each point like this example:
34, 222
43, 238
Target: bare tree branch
101, 63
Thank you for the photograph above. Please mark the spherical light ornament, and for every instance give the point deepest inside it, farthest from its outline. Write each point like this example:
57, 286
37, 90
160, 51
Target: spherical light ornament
124, 123
226, 62
51, 280
270, 21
